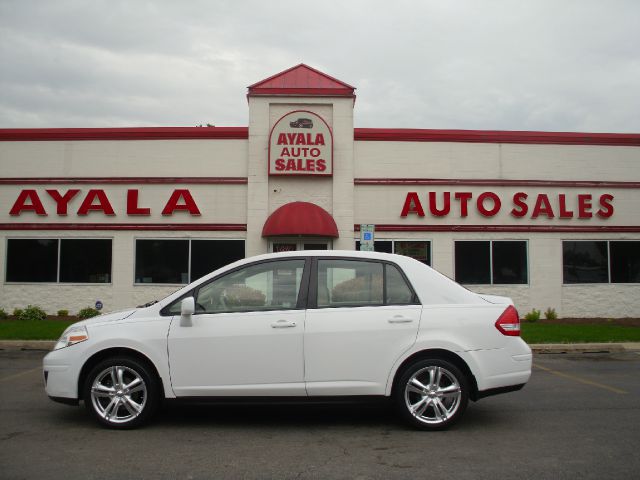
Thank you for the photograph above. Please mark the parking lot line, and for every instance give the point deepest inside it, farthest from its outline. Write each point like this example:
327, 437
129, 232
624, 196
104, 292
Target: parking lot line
582, 380
20, 374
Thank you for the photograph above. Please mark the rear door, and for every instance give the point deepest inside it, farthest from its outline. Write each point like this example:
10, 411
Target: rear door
362, 316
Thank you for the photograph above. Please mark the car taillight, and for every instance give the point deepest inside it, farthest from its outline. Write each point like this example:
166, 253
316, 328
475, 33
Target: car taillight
509, 322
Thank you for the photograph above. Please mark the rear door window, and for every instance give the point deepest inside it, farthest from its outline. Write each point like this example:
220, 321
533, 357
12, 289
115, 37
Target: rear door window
354, 283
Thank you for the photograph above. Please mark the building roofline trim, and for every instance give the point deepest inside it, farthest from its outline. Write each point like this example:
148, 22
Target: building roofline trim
495, 182
360, 134
303, 92
182, 227
126, 133
125, 180
495, 136
505, 228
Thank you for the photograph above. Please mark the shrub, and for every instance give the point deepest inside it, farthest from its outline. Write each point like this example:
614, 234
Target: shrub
550, 314
3, 314
532, 316
17, 312
63, 313
88, 312
32, 312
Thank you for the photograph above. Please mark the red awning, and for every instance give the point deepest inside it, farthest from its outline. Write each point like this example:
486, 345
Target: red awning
300, 218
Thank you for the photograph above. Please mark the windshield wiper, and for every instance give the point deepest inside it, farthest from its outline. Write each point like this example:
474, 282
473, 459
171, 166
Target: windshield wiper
148, 304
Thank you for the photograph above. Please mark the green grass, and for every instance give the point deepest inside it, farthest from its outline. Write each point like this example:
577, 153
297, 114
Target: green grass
33, 330
531, 332
566, 333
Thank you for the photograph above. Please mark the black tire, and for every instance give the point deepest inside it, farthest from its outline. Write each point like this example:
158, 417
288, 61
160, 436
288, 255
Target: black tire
431, 394
129, 403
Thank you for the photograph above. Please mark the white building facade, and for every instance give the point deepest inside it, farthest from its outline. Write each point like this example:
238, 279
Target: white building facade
124, 216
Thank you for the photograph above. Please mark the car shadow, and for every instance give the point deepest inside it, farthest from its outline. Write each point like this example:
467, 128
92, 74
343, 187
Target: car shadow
270, 415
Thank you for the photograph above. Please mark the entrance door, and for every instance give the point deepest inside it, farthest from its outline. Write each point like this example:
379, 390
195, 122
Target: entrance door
292, 245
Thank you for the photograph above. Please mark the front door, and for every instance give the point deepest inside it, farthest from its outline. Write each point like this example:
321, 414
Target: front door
247, 334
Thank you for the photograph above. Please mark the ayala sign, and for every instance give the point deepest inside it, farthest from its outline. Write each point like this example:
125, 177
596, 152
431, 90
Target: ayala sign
301, 143
97, 201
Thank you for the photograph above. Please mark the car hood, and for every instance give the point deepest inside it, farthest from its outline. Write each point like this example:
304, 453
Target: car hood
107, 317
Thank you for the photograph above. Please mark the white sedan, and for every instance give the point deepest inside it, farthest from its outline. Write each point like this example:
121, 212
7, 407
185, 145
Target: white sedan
320, 325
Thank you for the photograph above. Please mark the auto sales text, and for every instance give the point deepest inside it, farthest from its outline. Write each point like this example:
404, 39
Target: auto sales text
489, 204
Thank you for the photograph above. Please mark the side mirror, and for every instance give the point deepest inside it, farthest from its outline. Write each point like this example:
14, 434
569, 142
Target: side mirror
187, 308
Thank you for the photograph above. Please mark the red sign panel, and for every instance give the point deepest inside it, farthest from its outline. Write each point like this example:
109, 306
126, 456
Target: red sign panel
301, 143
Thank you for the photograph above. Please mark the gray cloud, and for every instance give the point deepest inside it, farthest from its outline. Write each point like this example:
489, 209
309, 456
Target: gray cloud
514, 65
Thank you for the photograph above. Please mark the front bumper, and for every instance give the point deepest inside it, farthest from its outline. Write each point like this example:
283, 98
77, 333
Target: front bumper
61, 373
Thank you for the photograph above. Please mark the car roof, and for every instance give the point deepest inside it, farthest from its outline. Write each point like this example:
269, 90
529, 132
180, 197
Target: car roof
327, 253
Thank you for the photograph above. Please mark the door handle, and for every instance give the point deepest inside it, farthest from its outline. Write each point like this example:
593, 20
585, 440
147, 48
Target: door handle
283, 324
399, 319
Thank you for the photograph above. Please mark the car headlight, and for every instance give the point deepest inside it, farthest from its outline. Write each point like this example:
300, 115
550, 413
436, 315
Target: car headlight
71, 336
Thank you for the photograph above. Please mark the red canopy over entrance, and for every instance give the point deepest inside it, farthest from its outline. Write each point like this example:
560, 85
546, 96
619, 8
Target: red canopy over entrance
300, 218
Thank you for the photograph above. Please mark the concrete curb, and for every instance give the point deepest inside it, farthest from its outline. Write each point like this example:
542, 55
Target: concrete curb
47, 345
585, 347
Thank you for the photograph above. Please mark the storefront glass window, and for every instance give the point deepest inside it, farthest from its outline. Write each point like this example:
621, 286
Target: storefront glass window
473, 263
209, 255
601, 261
32, 260
509, 262
585, 262
491, 262
59, 260
162, 261
167, 260
625, 262
420, 250
85, 260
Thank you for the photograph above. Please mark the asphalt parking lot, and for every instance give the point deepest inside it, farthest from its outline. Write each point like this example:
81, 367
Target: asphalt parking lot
578, 417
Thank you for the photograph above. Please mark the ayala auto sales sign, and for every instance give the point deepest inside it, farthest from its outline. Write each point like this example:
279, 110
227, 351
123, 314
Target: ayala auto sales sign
301, 143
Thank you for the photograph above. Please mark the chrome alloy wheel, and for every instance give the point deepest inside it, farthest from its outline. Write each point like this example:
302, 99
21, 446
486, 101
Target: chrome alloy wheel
118, 394
433, 395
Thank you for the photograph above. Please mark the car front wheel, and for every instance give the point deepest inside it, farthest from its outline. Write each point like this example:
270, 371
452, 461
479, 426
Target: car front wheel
432, 394
121, 392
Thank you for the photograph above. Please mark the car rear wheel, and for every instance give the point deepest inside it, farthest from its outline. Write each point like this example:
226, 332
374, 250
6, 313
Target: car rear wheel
121, 392
432, 394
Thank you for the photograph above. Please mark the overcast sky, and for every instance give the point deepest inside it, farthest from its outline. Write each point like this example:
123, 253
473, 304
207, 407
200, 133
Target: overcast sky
556, 65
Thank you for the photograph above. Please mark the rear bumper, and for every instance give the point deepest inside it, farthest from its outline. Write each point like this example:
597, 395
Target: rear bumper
501, 368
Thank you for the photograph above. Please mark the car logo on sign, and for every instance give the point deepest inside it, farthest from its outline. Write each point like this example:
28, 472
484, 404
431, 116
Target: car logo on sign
301, 123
